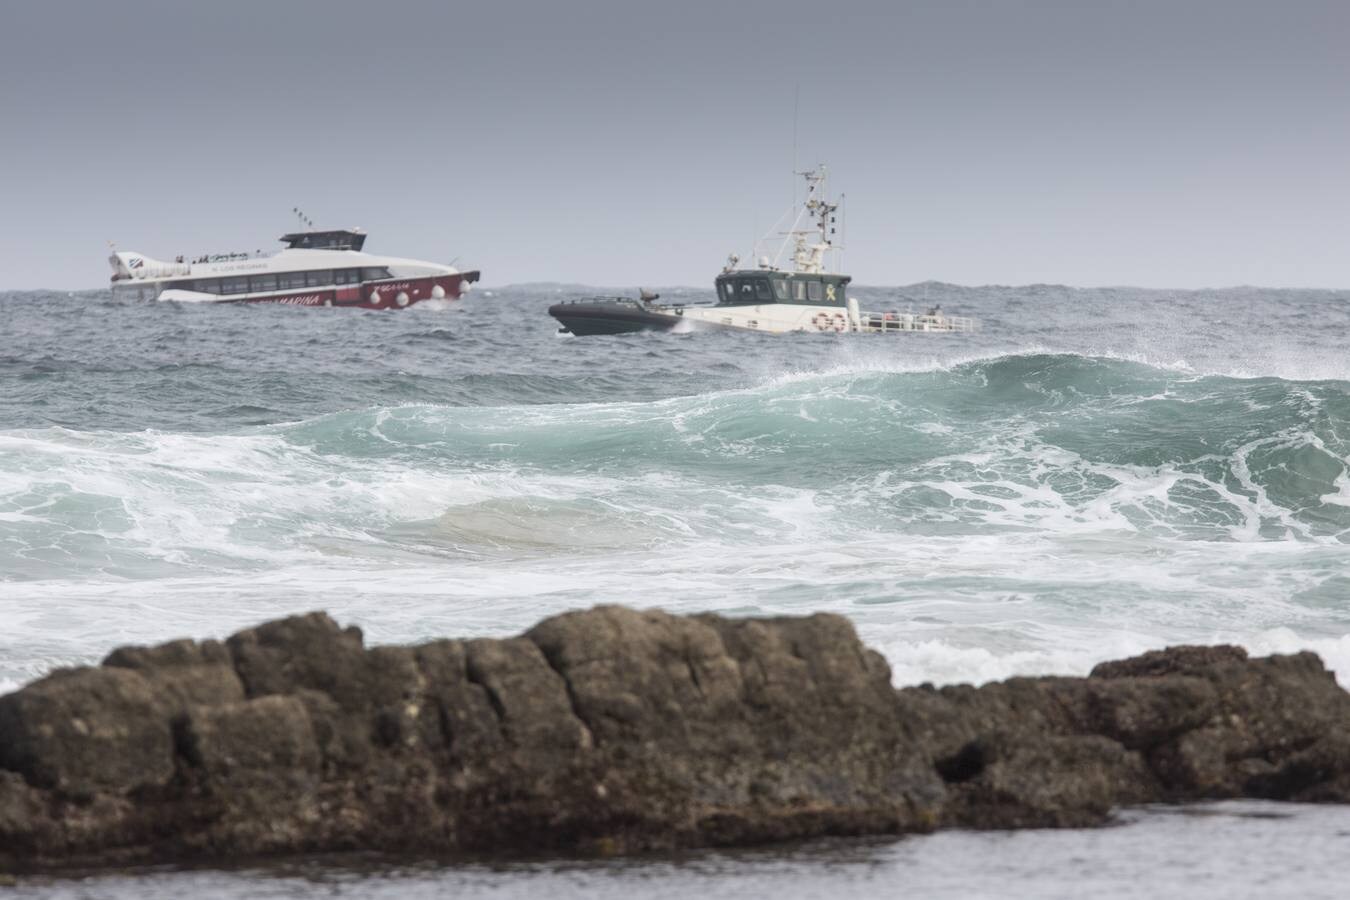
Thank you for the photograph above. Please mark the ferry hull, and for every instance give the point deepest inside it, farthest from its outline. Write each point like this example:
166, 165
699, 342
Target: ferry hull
393, 293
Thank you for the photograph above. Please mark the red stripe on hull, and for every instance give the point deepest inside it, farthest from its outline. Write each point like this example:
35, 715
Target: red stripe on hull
394, 293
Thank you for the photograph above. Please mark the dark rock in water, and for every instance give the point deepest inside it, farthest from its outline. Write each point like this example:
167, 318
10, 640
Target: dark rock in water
1171, 661
615, 731
81, 731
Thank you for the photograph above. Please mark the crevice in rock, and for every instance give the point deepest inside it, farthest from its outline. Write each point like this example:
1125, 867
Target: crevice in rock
444, 719
447, 731
964, 765
185, 742
474, 677
571, 697
249, 693
693, 675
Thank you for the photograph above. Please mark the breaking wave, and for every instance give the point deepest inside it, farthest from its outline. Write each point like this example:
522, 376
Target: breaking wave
1094, 474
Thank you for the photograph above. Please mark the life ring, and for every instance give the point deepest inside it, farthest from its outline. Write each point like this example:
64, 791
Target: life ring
822, 321
840, 323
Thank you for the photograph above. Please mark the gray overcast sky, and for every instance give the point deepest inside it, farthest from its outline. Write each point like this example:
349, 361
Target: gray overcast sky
1170, 144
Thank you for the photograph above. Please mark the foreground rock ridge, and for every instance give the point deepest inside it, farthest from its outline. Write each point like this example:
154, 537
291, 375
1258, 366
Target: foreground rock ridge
615, 731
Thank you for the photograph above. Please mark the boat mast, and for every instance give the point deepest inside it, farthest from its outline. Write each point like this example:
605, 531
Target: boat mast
810, 258
796, 103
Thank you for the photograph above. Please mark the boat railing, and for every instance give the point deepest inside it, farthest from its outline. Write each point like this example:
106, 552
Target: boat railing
877, 322
631, 301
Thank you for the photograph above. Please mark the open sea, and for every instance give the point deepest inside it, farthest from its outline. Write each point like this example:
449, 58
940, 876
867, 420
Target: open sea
1094, 474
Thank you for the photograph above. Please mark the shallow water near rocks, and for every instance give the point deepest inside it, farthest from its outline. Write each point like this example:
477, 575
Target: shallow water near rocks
1094, 474
1221, 850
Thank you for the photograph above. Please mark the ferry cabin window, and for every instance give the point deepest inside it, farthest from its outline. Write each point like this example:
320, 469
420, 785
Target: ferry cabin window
799, 291
319, 277
207, 286
234, 285
762, 291
728, 289
346, 276
374, 274
780, 289
262, 283
291, 280
747, 292
815, 291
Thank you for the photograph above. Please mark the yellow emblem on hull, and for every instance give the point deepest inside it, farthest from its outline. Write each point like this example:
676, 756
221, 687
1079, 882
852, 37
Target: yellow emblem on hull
829, 292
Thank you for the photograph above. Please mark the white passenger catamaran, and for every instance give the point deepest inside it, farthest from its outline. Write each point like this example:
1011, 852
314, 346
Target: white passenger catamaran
316, 268
808, 296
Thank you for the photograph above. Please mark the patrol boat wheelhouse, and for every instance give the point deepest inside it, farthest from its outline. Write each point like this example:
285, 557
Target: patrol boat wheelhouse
806, 297
316, 268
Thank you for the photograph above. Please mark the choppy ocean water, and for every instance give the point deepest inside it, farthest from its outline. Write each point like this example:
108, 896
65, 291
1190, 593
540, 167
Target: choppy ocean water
1095, 473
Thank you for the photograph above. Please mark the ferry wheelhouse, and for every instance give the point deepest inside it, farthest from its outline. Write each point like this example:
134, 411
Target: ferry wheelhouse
805, 296
315, 268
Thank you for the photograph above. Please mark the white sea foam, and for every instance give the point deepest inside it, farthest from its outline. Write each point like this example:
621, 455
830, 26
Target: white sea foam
1011, 504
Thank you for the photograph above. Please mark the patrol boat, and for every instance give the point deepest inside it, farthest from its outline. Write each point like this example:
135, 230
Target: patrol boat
805, 297
316, 268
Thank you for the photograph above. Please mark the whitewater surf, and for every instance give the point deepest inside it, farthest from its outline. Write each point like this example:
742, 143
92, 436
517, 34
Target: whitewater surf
1036, 499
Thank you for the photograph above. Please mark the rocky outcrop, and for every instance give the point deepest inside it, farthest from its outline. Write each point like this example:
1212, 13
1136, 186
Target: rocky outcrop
612, 730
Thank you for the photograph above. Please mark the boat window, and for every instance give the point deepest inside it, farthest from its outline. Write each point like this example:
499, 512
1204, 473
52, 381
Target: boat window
728, 291
206, 286
234, 285
780, 289
325, 240
262, 283
799, 291
347, 276
374, 274
291, 280
747, 291
762, 291
814, 291
319, 277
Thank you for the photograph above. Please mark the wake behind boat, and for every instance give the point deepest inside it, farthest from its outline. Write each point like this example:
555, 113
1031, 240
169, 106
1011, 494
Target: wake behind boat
316, 268
806, 297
